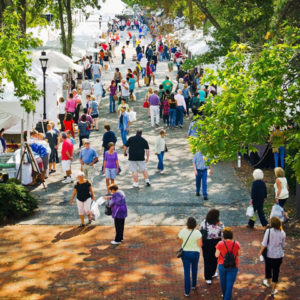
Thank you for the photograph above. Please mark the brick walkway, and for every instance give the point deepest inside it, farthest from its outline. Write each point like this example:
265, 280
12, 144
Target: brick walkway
64, 262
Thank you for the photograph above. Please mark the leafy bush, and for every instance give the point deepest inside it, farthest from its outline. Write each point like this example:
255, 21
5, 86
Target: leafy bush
15, 201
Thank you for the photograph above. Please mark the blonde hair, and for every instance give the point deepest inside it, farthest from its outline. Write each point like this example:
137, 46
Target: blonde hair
279, 172
150, 90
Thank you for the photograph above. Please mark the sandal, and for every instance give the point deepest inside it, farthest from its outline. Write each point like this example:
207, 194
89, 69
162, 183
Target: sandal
81, 226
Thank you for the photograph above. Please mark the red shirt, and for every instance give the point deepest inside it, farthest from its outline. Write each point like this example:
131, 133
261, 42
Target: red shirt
222, 248
104, 46
123, 51
148, 71
67, 146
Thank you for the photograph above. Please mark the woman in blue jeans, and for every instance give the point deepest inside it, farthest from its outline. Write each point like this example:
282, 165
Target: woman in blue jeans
227, 275
191, 244
172, 111
160, 147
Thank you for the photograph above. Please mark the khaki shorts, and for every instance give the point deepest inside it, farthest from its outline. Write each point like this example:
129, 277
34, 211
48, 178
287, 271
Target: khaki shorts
137, 166
66, 165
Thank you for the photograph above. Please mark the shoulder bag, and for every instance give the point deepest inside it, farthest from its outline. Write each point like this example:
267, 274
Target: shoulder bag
180, 251
204, 232
265, 251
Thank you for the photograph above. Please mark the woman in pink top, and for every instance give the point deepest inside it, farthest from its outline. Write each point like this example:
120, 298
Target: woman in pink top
71, 104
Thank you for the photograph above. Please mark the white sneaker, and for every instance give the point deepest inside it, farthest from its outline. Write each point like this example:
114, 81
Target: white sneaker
265, 283
215, 275
162, 172
115, 243
67, 180
208, 281
274, 292
135, 184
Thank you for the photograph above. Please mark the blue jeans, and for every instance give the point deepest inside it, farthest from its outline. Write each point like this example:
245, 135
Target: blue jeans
124, 135
112, 105
190, 259
160, 157
95, 77
143, 72
172, 113
179, 115
202, 175
276, 156
227, 279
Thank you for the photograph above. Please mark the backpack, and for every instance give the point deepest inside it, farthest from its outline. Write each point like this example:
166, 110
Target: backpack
229, 258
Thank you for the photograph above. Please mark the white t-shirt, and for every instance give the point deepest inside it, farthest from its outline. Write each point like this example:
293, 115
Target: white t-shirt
124, 92
98, 89
61, 108
284, 194
86, 64
192, 243
143, 62
96, 69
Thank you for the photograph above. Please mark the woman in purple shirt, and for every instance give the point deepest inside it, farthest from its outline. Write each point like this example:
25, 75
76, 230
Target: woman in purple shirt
111, 165
112, 93
119, 212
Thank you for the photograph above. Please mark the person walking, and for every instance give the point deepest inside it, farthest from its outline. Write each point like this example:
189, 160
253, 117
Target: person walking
66, 157
119, 212
71, 105
123, 104
111, 165
112, 96
123, 124
187, 96
143, 64
88, 157
96, 69
258, 196
212, 230
124, 89
131, 82
228, 252
86, 90
52, 139
277, 139
94, 112
137, 147
274, 241
167, 84
200, 170
61, 112
180, 108
166, 110
160, 148
83, 129
98, 91
117, 76
123, 54
172, 111
191, 244
69, 124
149, 74
85, 194
281, 188
108, 137
154, 103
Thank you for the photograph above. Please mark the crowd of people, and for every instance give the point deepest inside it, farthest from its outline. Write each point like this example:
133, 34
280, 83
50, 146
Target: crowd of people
171, 102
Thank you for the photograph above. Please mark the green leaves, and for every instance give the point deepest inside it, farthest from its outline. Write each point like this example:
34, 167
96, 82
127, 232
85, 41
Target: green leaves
15, 61
259, 90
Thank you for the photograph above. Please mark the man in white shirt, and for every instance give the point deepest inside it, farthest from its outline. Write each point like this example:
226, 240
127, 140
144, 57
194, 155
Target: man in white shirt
86, 90
98, 90
96, 68
181, 108
124, 89
143, 64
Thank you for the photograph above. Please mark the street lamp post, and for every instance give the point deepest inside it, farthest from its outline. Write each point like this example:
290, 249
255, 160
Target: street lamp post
44, 61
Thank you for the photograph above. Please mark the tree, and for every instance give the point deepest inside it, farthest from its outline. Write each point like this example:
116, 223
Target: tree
62, 8
15, 61
258, 91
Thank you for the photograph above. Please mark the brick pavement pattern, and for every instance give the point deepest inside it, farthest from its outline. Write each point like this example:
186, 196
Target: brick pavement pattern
64, 262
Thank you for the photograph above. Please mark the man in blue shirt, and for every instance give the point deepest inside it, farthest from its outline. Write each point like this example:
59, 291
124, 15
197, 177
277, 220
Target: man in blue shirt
88, 157
200, 170
123, 124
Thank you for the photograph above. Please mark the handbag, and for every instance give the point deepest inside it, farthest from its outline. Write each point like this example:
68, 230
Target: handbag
180, 251
204, 232
146, 104
115, 97
108, 210
265, 251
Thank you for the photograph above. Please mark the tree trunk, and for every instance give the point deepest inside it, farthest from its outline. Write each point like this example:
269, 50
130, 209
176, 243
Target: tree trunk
70, 28
22, 11
204, 9
3, 6
62, 27
191, 15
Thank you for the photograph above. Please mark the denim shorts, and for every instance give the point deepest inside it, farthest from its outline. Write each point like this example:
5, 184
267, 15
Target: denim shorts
110, 173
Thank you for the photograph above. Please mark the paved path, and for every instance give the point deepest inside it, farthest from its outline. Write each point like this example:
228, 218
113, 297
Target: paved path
63, 262
171, 197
